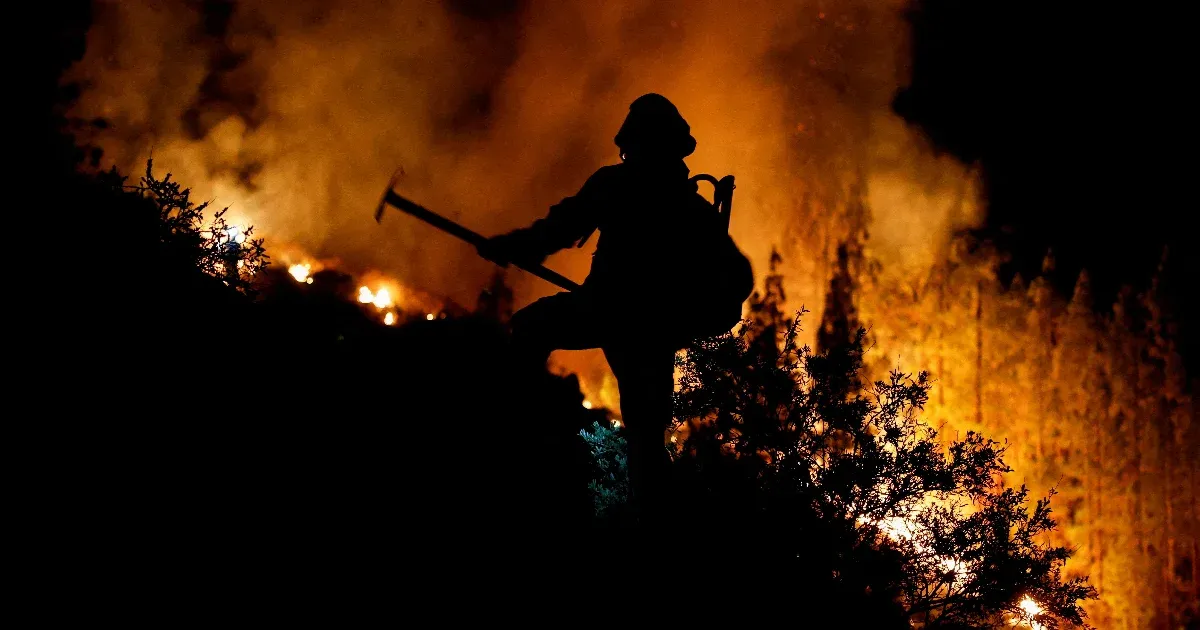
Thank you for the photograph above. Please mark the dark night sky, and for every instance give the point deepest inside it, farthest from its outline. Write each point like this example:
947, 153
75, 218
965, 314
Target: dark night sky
1078, 117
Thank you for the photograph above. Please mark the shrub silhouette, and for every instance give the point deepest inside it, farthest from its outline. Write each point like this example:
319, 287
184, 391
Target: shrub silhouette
787, 465
837, 497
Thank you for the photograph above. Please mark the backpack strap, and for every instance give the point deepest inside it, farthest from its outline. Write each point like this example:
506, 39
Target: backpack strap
722, 195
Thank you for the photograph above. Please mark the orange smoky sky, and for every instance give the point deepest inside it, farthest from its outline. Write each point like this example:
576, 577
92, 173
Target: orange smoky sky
296, 114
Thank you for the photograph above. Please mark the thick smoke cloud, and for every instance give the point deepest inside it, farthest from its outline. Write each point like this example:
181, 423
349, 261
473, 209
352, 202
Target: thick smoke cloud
296, 113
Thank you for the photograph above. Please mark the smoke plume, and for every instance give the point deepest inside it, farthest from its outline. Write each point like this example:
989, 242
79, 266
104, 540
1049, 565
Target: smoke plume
296, 113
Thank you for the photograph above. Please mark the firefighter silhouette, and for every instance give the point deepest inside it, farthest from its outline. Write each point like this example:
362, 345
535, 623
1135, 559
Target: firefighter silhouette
644, 296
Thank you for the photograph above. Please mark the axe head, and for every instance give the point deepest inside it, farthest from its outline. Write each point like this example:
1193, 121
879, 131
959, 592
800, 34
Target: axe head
383, 199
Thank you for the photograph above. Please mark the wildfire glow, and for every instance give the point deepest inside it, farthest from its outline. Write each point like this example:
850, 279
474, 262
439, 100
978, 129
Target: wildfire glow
587, 404
235, 234
392, 299
1030, 609
381, 298
897, 528
799, 159
301, 272
904, 529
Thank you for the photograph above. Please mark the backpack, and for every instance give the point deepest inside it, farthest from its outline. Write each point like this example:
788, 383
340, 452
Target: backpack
726, 279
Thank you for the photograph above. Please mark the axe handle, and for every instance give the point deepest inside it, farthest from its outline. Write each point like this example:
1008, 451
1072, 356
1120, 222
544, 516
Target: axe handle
470, 236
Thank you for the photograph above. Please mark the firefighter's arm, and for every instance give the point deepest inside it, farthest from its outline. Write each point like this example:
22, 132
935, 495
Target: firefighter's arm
568, 222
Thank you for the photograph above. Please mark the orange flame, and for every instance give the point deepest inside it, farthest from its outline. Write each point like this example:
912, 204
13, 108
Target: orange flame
301, 272
1030, 609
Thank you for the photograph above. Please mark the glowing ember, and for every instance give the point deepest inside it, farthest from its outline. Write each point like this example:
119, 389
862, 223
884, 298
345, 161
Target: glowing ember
235, 234
390, 296
616, 423
301, 272
381, 298
897, 528
1029, 611
900, 528
1031, 607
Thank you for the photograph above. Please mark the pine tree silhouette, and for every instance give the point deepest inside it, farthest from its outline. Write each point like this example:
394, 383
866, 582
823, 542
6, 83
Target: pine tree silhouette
839, 321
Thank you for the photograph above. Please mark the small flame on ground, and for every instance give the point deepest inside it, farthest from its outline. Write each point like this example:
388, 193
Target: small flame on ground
393, 301
616, 423
587, 404
301, 272
381, 298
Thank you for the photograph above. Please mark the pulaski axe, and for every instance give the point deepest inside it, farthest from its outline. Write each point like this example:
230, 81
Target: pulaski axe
390, 198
